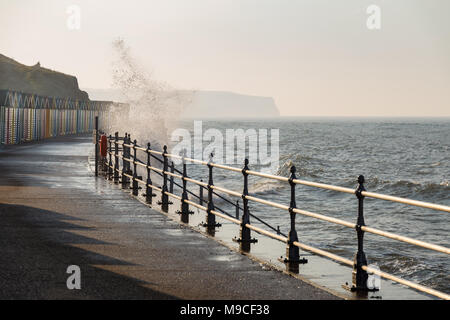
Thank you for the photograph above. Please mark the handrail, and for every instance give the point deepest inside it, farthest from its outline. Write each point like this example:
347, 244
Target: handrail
327, 186
360, 227
340, 222
313, 184
161, 172
203, 185
334, 220
327, 254
416, 203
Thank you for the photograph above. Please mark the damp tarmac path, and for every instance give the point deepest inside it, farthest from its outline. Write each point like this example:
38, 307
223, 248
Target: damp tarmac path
54, 213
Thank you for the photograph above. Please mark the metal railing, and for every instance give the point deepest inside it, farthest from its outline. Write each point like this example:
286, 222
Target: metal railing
359, 265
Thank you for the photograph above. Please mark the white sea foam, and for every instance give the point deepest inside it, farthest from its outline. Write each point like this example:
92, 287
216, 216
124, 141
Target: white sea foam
154, 105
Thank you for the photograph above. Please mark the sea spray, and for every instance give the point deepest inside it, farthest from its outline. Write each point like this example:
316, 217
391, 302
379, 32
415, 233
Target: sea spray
153, 105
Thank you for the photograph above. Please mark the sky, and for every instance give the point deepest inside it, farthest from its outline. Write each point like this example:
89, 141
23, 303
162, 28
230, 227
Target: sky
315, 58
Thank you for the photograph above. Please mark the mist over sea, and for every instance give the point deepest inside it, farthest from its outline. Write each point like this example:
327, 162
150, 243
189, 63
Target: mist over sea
405, 157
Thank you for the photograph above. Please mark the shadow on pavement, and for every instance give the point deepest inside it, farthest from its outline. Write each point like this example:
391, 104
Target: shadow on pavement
36, 247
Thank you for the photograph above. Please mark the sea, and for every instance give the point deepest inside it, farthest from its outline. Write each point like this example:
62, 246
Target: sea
403, 157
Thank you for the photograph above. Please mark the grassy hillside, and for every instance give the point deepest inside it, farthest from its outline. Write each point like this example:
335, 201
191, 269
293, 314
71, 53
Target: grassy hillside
35, 79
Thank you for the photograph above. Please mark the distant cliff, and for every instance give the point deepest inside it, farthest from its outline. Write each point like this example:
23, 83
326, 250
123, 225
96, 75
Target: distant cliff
209, 104
221, 104
37, 80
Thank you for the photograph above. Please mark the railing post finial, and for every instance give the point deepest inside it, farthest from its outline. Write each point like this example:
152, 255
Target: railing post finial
135, 186
360, 276
210, 217
164, 197
125, 163
185, 212
245, 235
292, 259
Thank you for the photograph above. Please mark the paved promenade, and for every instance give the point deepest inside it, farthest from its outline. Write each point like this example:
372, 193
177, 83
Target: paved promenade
54, 213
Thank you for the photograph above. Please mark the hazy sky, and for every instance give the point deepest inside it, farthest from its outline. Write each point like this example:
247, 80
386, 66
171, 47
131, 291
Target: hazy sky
315, 58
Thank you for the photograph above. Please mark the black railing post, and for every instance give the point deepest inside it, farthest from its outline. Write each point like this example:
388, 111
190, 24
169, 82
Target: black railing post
172, 170
164, 197
110, 169
184, 196
210, 217
245, 236
124, 161
292, 252
148, 189
129, 157
360, 276
116, 157
135, 185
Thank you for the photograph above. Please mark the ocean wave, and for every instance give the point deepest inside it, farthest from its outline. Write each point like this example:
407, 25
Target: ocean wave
401, 186
302, 164
416, 187
403, 265
267, 186
435, 164
414, 269
314, 169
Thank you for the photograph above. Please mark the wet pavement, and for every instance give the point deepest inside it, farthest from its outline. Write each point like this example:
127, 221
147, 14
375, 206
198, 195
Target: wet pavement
54, 213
